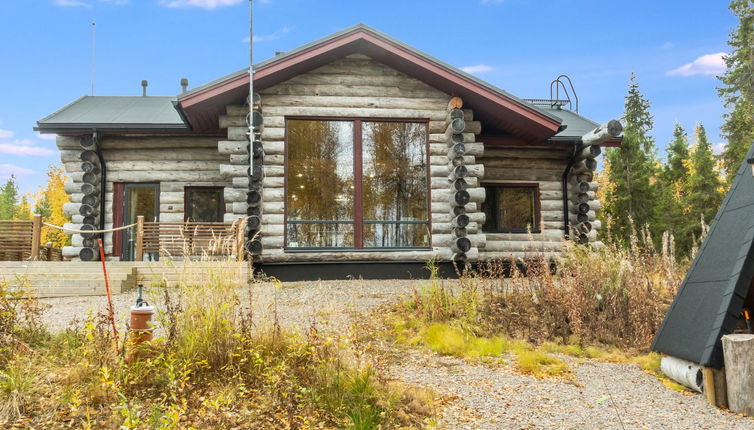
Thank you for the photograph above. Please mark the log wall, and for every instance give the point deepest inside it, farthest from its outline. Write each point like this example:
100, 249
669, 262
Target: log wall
173, 162
543, 165
354, 86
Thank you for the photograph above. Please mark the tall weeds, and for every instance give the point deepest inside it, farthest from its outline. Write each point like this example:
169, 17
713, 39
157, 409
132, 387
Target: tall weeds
608, 296
214, 367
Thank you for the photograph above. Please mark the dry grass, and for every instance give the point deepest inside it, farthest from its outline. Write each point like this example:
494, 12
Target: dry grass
216, 367
603, 304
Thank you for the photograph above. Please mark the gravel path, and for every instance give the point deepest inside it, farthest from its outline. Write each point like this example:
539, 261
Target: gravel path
603, 395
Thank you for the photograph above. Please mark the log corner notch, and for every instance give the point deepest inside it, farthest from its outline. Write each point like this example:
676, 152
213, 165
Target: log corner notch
579, 203
254, 197
245, 152
92, 187
464, 244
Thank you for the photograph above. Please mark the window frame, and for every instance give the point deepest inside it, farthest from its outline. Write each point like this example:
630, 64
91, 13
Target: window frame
358, 183
536, 228
186, 193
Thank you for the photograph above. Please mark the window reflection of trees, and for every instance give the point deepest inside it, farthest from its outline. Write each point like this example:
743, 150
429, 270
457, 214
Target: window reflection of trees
320, 183
395, 184
517, 208
321, 193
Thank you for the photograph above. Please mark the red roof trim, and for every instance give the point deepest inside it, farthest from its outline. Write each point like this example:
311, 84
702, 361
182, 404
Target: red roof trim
264, 77
215, 90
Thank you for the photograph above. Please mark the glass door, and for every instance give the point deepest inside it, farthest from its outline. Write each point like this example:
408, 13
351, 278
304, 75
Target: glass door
139, 199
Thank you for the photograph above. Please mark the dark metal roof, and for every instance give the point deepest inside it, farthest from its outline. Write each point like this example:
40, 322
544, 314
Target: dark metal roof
711, 297
109, 112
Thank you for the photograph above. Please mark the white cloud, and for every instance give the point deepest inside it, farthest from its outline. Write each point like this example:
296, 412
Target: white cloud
478, 68
667, 45
271, 36
204, 4
21, 146
719, 147
24, 147
71, 3
41, 136
10, 169
710, 64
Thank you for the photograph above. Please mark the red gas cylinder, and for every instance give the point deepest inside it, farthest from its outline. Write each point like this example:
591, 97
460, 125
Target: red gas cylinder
141, 323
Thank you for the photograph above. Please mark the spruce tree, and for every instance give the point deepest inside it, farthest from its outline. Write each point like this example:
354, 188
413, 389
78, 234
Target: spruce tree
632, 194
704, 186
672, 192
8, 199
738, 88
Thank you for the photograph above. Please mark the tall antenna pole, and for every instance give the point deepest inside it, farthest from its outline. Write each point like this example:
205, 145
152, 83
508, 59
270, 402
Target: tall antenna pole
249, 118
94, 53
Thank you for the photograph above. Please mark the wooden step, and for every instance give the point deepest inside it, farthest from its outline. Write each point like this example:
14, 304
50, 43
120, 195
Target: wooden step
66, 278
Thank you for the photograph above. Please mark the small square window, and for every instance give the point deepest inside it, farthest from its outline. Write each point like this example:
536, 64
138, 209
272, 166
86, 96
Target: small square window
204, 204
511, 208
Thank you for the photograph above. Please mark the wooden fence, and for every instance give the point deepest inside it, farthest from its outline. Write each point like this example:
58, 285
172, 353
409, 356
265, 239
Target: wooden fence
19, 240
182, 239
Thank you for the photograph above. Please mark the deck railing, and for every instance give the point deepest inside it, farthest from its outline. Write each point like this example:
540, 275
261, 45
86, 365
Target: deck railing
20, 240
185, 239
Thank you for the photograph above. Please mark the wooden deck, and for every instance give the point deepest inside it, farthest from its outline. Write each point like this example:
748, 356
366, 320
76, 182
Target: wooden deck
67, 278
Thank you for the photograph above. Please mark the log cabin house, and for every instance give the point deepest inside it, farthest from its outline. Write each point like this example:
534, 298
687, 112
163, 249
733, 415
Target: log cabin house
364, 150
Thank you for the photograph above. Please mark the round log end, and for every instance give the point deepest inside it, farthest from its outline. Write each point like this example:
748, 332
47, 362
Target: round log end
90, 199
86, 227
87, 142
90, 178
88, 254
88, 189
461, 221
253, 222
253, 197
461, 198
460, 184
254, 247
462, 245
614, 128
87, 210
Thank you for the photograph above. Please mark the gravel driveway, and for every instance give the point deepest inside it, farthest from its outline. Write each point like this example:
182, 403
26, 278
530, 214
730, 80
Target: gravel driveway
603, 396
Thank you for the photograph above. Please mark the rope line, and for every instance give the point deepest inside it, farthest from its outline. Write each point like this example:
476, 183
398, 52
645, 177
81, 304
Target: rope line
71, 230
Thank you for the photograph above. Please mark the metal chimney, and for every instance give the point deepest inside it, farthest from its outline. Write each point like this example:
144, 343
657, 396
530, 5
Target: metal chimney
184, 85
144, 85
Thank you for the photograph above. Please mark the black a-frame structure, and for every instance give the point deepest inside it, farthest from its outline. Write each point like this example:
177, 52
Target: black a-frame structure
711, 298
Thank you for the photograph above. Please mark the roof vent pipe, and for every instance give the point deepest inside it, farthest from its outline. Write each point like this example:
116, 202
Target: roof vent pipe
184, 85
144, 85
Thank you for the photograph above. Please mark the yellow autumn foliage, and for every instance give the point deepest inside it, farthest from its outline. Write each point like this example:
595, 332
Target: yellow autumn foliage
55, 196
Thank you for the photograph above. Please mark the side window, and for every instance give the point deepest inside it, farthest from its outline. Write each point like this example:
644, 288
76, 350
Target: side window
204, 204
511, 208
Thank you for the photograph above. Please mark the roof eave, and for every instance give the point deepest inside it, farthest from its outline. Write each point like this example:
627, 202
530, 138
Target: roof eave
265, 75
53, 128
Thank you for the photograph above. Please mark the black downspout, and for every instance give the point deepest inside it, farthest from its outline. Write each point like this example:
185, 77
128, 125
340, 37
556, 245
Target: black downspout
103, 184
571, 162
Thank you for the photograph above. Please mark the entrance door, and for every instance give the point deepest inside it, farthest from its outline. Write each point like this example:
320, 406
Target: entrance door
139, 199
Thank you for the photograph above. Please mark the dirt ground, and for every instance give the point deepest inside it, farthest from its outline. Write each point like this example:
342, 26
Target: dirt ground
476, 396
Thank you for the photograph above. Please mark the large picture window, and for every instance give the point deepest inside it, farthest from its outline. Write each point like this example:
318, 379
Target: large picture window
511, 208
356, 184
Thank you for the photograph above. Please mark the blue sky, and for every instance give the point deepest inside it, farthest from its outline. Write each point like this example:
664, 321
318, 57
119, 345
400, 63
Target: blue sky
673, 46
